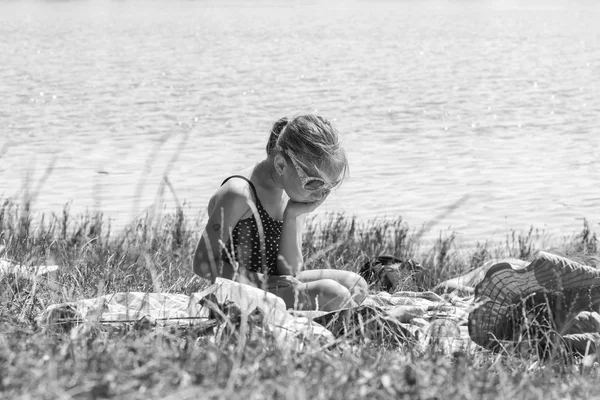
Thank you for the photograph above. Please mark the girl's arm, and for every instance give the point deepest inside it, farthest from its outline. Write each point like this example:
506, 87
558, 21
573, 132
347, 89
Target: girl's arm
290, 260
226, 208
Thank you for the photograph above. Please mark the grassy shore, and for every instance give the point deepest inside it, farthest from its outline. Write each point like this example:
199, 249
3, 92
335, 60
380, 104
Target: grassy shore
155, 255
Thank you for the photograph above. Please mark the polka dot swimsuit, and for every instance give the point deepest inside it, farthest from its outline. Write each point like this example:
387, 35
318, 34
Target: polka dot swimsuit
246, 242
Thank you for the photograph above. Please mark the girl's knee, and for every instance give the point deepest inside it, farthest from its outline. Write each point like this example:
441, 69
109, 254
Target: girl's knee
332, 295
357, 285
333, 287
360, 289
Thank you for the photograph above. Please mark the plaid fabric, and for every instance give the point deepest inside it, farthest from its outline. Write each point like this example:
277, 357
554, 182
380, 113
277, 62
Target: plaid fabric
515, 303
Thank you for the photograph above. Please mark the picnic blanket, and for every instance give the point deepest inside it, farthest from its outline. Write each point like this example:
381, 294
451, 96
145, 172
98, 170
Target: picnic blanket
396, 317
202, 308
503, 302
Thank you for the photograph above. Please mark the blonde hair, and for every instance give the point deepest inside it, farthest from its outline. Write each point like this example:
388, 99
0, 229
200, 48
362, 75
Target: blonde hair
314, 142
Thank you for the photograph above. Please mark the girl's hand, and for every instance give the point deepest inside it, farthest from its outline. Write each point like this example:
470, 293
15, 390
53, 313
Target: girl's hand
295, 208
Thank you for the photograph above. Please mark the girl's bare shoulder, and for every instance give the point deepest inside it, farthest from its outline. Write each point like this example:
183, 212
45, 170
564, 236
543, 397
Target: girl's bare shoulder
235, 193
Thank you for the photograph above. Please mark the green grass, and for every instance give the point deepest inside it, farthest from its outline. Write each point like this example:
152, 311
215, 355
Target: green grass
149, 255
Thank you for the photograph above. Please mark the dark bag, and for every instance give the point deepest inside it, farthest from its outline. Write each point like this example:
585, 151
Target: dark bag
385, 272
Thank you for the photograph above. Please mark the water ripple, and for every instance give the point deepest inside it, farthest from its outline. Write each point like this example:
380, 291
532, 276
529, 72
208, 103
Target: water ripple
498, 101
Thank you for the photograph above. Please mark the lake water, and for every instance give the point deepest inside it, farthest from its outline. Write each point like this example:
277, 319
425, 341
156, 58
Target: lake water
497, 101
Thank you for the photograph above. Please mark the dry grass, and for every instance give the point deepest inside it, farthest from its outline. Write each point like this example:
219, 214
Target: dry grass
103, 362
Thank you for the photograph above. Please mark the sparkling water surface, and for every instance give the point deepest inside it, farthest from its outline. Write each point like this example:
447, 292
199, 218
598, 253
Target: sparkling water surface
492, 102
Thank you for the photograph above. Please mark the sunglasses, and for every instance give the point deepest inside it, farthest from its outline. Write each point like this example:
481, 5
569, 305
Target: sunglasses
309, 183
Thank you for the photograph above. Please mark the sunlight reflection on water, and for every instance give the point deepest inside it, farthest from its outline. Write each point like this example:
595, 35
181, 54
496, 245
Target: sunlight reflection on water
435, 100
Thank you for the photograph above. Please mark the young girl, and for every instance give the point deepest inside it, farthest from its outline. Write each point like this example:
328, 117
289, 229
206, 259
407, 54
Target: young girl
254, 230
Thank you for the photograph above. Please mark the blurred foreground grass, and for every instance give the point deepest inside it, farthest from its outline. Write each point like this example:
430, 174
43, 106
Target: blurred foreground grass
155, 255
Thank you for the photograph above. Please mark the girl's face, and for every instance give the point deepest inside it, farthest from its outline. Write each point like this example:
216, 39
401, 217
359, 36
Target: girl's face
307, 187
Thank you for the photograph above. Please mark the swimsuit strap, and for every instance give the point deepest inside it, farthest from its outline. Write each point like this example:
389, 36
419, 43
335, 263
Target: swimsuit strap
258, 204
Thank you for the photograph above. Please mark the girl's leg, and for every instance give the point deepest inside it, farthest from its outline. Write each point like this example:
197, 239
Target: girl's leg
355, 283
326, 295
322, 294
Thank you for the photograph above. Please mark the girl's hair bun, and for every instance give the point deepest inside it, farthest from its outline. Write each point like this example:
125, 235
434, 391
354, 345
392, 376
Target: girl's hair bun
275, 132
